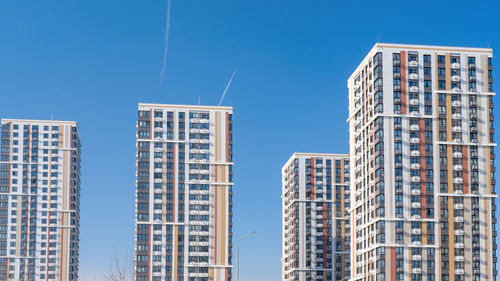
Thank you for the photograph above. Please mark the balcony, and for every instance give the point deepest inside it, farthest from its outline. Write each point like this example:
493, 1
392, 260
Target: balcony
414, 101
455, 78
416, 231
458, 219
472, 65
396, 75
415, 153
459, 271
415, 179
416, 205
396, 62
473, 116
414, 140
415, 166
456, 103
458, 180
459, 206
414, 127
413, 63
414, 89
415, 192
457, 167
472, 78
459, 232
455, 65
397, 87
456, 116
457, 89
457, 154
416, 257
416, 270
413, 76
456, 129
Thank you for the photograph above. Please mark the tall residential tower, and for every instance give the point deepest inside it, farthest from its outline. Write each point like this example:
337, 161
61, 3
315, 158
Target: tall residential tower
184, 193
315, 224
421, 148
39, 200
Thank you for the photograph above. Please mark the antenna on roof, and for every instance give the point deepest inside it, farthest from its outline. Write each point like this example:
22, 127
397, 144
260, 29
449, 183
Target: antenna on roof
488, 43
227, 87
378, 38
51, 117
199, 100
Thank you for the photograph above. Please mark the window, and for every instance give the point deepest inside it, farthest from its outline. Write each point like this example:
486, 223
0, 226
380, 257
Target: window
427, 58
440, 59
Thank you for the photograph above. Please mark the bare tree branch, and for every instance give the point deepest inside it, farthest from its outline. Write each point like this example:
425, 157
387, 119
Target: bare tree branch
120, 270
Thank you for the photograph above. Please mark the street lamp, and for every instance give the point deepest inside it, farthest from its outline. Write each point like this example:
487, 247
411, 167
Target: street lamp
238, 253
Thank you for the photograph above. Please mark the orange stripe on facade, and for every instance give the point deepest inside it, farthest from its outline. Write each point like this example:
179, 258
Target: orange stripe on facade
215, 223
312, 179
27, 227
62, 249
393, 263
404, 103
227, 137
173, 184
149, 253
151, 124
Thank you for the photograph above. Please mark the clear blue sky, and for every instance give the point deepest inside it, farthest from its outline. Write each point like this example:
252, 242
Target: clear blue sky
93, 61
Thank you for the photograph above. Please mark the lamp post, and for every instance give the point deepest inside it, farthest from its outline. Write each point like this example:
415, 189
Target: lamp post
238, 253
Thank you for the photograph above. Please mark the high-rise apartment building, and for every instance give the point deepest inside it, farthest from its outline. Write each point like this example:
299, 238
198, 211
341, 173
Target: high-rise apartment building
39, 200
315, 225
184, 193
421, 148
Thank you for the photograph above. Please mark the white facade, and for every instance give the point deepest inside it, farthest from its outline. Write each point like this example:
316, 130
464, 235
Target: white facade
39, 200
315, 224
184, 193
421, 147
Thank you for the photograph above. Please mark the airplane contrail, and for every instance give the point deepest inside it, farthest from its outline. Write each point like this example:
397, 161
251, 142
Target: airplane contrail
227, 87
165, 50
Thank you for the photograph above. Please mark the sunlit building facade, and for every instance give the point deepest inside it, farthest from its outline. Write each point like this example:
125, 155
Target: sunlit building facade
39, 200
315, 225
422, 164
184, 193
